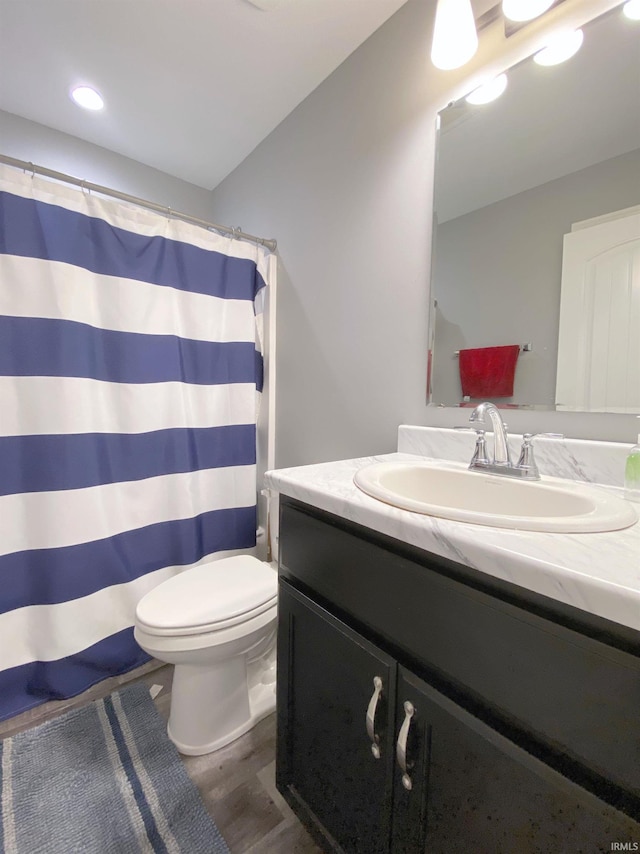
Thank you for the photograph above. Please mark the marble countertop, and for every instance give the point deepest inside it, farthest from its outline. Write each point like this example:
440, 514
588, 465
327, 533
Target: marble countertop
596, 572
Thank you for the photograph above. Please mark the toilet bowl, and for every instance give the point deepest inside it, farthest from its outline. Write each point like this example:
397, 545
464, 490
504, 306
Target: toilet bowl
216, 622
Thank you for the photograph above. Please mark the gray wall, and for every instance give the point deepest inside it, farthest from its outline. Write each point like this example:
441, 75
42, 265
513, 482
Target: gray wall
344, 184
511, 296
36, 143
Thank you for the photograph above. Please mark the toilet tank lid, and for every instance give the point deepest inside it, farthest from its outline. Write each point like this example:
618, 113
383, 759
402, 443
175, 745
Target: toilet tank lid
210, 593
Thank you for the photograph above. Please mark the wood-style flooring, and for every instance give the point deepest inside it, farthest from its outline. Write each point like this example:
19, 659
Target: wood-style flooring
236, 783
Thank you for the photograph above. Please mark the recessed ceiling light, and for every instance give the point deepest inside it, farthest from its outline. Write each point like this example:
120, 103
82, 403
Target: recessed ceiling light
560, 48
524, 10
86, 97
632, 9
488, 91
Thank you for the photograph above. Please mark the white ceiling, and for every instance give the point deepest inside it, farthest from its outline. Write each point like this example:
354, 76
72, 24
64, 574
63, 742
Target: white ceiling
191, 86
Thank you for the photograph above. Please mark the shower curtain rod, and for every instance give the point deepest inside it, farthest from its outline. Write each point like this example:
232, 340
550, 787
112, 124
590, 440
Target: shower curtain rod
125, 197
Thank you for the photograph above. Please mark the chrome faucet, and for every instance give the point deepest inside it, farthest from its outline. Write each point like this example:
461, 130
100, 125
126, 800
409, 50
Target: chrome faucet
501, 456
525, 468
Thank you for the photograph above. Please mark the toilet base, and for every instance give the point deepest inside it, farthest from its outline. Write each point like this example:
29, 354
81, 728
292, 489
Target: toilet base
262, 700
214, 704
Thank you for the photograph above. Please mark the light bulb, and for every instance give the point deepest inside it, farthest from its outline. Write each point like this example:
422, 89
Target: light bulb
631, 9
560, 47
524, 10
455, 39
488, 91
86, 97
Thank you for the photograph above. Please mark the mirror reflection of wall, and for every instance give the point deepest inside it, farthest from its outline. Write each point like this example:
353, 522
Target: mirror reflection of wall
561, 145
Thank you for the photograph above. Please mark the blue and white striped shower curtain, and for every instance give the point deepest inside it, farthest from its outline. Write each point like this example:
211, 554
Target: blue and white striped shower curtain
130, 375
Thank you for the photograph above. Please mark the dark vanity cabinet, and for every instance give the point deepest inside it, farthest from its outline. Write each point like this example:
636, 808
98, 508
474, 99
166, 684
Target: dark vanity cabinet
326, 751
425, 708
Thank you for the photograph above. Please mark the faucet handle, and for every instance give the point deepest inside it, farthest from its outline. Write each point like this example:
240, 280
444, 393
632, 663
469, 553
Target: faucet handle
527, 460
480, 451
527, 437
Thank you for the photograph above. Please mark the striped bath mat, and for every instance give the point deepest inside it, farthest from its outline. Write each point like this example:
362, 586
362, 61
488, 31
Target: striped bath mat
100, 779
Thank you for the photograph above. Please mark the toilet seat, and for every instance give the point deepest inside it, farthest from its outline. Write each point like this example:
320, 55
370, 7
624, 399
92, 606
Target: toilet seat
208, 598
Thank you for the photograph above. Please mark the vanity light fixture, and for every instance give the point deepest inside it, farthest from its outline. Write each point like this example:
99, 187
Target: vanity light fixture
455, 39
488, 91
631, 10
86, 97
561, 46
524, 10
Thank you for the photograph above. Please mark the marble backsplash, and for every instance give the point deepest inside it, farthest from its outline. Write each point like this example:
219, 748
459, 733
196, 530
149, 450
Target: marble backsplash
575, 459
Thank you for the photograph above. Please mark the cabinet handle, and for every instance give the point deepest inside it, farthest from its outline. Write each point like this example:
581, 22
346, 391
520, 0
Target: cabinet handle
371, 717
401, 745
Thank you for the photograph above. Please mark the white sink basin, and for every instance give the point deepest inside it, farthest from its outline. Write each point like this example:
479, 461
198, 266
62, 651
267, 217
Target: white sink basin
451, 491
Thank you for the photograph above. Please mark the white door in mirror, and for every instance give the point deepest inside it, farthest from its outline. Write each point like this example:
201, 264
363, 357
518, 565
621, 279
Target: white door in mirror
599, 336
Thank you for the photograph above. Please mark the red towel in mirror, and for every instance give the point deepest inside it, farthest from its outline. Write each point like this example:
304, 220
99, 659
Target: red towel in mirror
488, 371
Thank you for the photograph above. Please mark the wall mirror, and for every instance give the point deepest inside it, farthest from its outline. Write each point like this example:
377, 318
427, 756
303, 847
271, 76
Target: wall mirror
557, 154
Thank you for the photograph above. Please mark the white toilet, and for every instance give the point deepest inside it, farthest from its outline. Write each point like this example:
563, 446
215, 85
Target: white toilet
217, 623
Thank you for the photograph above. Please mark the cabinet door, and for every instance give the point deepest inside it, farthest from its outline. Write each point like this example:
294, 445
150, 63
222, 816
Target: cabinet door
474, 790
326, 767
